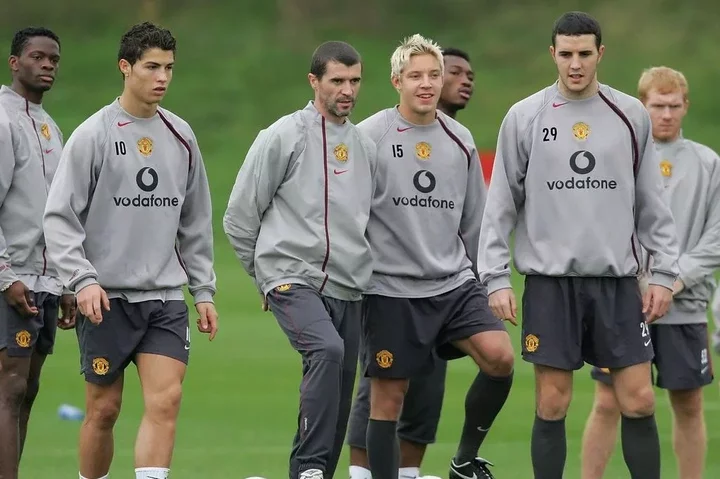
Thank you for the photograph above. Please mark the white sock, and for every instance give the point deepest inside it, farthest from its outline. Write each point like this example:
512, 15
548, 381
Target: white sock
151, 473
357, 472
104, 477
408, 472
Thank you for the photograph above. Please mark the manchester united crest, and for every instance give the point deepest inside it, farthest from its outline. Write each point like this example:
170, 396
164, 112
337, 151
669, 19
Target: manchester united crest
423, 150
531, 343
22, 338
100, 366
581, 131
145, 146
384, 359
341, 153
45, 130
666, 168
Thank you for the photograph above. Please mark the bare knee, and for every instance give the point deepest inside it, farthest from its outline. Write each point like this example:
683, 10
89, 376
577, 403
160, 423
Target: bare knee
103, 409
164, 405
13, 387
688, 404
634, 390
492, 351
639, 402
386, 398
605, 404
500, 362
553, 393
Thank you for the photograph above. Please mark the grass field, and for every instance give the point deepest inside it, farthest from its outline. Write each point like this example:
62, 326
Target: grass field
238, 70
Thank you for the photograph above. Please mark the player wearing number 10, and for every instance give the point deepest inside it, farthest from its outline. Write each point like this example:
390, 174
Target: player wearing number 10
577, 177
128, 223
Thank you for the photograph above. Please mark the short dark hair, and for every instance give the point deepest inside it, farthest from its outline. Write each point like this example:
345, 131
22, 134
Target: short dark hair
143, 37
456, 52
340, 52
22, 37
577, 23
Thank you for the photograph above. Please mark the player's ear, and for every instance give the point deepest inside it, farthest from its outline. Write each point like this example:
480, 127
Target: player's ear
124, 67
601, 51
12, 63
552, 52
313, 81
395, 80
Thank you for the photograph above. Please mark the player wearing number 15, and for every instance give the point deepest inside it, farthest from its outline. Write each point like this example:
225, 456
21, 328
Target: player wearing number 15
577, 178
128, 222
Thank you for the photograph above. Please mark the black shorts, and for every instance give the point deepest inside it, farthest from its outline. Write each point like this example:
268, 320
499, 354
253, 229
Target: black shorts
682, 357
569, 321
151, 327
21, 336
399, 334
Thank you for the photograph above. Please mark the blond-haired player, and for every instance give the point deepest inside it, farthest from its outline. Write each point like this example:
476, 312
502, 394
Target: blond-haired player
424, 293
691, 177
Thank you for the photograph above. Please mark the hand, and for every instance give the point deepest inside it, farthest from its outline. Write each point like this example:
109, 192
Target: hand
20, 298
656, 302
68, 307
503, 305
678, 286
91, 300
208, 320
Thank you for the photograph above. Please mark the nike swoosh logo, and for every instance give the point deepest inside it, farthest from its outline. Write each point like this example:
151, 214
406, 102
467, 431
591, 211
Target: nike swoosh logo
123, 123
483, 430
704, 370
647, 342
187, 347
404, 129
556, 105
47, 152
474, 476
340, 172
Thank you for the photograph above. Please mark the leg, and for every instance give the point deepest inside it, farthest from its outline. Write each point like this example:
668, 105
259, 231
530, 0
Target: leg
472, 330
302, 315
346, 316
48, 310
103, 359
683, 367
601, 428
399, 336
102, 406
420, 417
553, 313
18, 340
689, 432
13, 384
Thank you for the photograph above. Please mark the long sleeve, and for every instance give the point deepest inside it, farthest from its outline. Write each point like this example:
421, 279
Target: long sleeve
195, 232
259, 177
68, 199
506, 197
702, 260
472, 214
7, 169
654, 223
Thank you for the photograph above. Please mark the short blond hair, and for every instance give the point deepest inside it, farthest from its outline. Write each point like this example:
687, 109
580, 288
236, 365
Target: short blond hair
663, 79
411, 46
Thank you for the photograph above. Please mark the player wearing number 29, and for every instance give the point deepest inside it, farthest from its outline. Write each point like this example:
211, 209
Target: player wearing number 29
578, 179
424, 294
128, 223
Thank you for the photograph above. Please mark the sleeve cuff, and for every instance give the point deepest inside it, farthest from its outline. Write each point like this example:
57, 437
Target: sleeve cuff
203, 296
662, 279
84, 283
498, 283
7, 276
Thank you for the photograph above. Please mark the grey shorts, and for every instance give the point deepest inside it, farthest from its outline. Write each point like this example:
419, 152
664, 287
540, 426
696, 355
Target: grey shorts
569, 321
682, 357
421, 410
150, 327
400, 334
21, 336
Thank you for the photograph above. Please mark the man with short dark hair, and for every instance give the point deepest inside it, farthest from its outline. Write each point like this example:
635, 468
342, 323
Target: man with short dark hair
130, 165
422, 406
297, 218
30, 148
576, 177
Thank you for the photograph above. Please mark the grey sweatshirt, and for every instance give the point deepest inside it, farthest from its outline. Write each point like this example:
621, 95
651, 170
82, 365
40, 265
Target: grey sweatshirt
579, 184
130, 208
30, 148
427, 207
691, 180
300, 205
